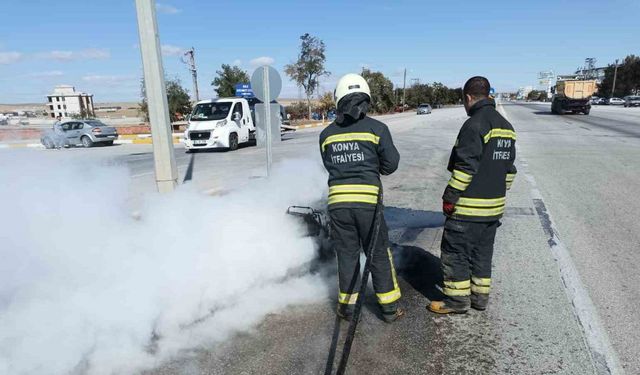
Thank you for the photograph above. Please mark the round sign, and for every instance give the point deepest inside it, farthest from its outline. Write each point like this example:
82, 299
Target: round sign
269, 89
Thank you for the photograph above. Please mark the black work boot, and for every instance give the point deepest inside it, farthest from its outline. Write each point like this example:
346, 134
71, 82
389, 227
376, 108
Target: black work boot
344, 311
479, 301
391, 312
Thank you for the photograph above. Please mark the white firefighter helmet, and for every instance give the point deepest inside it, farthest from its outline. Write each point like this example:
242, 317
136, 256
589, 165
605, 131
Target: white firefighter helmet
349, 84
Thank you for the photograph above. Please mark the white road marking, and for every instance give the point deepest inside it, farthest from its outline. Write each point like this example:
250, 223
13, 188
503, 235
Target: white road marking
603, 355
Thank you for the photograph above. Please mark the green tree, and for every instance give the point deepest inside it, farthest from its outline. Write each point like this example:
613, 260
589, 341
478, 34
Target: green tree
627, 79
381, 91
326, 103
227, 79
309, 67
297, 110
177, 98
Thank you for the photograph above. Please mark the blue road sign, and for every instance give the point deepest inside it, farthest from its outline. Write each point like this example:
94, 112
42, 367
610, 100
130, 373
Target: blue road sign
243, 90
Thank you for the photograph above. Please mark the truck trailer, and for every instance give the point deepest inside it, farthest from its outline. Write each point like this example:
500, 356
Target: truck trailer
573, 96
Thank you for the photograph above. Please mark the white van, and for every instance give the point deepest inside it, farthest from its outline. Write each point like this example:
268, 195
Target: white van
219, 123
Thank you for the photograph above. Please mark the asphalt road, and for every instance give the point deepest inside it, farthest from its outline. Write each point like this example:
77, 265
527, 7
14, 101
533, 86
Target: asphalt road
580, 170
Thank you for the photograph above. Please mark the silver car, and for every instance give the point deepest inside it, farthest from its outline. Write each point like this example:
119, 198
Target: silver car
632, 101
424, 109
84, 133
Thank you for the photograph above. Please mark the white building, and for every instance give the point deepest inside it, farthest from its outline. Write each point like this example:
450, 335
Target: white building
66, 101
523, 92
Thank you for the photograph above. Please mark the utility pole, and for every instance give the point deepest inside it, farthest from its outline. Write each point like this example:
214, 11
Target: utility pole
404, 89
163, 155
615, 75
191, 62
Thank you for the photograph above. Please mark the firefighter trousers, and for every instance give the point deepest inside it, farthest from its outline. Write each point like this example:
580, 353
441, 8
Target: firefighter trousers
351, 231
466, 253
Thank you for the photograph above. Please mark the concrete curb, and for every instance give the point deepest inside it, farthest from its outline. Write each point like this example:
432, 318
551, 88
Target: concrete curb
309, 126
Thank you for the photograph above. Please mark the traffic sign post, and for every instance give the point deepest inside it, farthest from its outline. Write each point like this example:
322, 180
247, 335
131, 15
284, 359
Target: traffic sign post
266, 84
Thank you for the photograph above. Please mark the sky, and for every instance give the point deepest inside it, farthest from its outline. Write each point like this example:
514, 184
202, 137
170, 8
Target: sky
93, 45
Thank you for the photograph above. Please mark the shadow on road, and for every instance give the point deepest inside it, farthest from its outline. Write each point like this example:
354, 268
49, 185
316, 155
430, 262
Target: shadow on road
420, 269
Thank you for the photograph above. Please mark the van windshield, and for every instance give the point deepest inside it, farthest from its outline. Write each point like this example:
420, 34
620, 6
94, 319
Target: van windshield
211, 111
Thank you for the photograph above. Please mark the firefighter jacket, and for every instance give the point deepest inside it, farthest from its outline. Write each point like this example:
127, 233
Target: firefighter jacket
355, 153
481, 165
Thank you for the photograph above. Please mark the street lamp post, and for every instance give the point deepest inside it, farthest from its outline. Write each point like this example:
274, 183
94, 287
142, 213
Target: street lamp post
161, 131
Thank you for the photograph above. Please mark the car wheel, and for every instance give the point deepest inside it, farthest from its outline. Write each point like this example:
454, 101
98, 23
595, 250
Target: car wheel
233, 142
108, 143
48, 143
86, 142
586, 111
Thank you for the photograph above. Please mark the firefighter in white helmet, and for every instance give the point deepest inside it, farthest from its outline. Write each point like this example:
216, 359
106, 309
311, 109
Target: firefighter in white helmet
356, 150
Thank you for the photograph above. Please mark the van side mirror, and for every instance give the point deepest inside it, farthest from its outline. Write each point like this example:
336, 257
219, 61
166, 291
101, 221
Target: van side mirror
236, 116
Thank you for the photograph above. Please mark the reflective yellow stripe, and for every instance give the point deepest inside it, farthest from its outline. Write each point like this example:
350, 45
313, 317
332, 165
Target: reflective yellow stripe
478, 211
389, 297
509, 183
394, 295
373, 189
356, 198
456, 292
458, 284
480, 289
457, 288
347, 299
510, 176
461, 176
481, 281
346, 137
481, 202
499, 133
457, 184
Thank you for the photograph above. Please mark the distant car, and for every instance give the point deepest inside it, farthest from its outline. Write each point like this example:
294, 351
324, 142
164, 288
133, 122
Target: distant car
615, 101
632, 101
84, 133
424, 109
600, 101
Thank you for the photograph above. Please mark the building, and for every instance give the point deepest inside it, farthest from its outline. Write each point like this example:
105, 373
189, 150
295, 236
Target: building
523, 92
582, 74
65, 101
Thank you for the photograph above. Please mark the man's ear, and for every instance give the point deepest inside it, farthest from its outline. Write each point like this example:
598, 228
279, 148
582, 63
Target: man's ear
468, 98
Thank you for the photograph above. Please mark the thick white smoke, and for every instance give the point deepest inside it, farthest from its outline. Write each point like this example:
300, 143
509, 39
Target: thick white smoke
86, 288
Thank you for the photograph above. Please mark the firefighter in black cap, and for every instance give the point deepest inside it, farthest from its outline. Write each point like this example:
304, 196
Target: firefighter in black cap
355, 150
481, 166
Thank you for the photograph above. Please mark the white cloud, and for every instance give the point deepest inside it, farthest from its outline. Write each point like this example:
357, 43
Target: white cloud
167, 9
108, 80
170, 50
237, 62
263, 60
88, 54
48, 74
95, 53
9, 57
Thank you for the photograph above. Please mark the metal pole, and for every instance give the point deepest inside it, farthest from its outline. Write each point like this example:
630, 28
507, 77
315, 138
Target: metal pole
163, 155
404, 89
615, 75
267, 113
